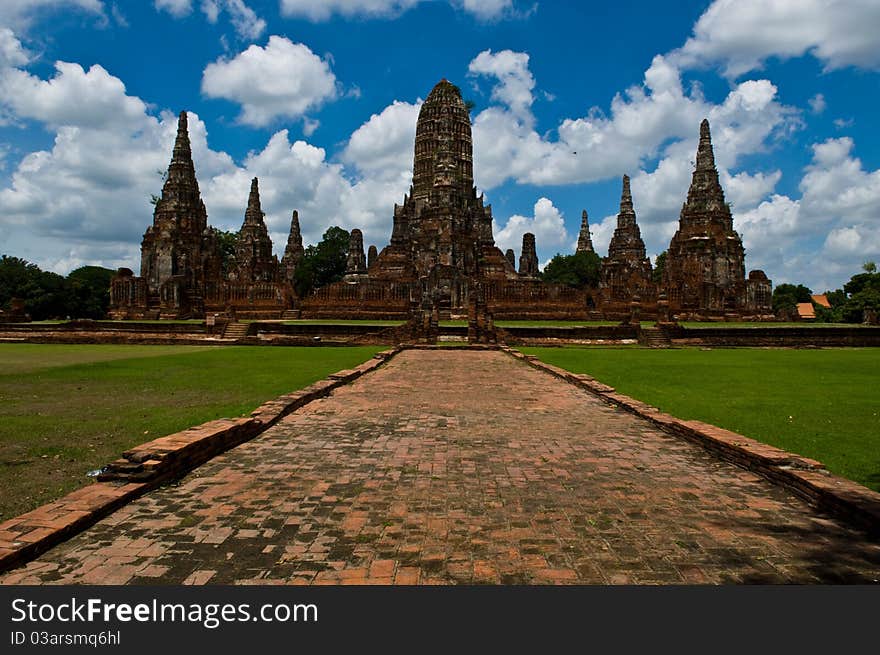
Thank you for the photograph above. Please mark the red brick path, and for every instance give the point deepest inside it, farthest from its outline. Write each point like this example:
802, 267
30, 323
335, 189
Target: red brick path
463, 467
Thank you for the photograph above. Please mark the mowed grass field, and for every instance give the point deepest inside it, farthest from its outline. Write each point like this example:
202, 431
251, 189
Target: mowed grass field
69, 409
824, 404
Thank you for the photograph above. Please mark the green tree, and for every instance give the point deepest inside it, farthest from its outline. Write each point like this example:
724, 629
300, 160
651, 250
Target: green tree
84, 293
787, 296
578, 270
226, 241
324, 263
659, 267
858, 296
89, 287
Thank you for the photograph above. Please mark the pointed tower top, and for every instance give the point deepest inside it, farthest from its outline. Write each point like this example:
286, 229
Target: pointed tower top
626, 242
626, 204
293, 251
445, 91
585, 242
443, 154
254, 213
182, 150
705, 155
294, 228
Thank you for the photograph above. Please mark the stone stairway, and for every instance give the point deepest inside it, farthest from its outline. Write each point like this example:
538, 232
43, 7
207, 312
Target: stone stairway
654, 338
236, 331
291, 314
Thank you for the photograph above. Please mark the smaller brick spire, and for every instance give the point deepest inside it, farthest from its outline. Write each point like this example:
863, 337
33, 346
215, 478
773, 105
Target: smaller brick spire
528, 259
585, 241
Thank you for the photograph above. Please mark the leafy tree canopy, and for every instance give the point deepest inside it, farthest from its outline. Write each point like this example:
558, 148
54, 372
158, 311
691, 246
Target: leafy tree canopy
787, 296
324, 263
578, 270
659, 266
858, 298
84, 293
226, 240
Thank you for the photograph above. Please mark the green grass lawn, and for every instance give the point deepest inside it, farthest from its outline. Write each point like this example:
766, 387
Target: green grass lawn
67, 409
747, 324
823, 404
379, 323
513, 323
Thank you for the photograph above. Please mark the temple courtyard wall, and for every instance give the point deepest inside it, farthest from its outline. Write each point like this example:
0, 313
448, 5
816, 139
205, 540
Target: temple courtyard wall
283, 333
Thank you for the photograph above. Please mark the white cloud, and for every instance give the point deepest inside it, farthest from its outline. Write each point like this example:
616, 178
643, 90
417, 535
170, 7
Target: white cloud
740, 35
20, 14
244, 19
546, 223
487, 9
74, 97
322, 10
839, 207
177, 8
655, 119
858, 243
383, 146
281, 80
515, 80
11, 51
86, 199
817, 103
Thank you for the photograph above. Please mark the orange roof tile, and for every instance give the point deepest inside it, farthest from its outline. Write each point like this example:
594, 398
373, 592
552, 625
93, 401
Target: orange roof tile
805, 310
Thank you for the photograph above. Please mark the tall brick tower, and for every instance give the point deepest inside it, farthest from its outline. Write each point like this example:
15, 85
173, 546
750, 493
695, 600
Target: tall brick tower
254, 261
178, 248
442, 222
705, 267
626, 272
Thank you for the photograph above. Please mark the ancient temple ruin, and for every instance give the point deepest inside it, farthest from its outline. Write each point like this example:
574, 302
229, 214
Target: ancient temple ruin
585, 241
704, 276
294, 251
254, 261
441, 243
626, 271
181, 264
441, 260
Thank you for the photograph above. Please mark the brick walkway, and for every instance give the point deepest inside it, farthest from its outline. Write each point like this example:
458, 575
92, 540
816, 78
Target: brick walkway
463, 467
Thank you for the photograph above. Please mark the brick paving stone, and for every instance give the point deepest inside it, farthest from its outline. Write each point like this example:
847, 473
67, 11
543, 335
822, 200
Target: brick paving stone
450, 467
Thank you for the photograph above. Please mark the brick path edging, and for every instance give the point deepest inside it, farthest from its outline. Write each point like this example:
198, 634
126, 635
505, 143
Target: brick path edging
145, 467
806, 477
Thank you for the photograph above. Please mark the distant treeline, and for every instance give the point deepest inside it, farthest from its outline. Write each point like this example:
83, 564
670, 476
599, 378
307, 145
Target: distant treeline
851, 304
84, 293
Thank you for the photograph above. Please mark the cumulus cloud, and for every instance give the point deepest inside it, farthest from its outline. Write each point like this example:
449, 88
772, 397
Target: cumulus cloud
86, 198
281, 80
817, 103
87, 99
244, 19
546, 223
739, 35
177, 8
20, 14
656, 119
838, 208
515, 80
383, 146
322, 10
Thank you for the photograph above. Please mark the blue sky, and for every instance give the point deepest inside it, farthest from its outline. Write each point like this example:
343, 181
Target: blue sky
319, 99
